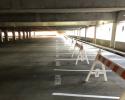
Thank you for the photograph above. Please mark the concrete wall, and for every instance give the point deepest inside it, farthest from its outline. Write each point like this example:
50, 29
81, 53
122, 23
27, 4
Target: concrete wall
120, 46
89, 40
121, 16
103, 42
99, 42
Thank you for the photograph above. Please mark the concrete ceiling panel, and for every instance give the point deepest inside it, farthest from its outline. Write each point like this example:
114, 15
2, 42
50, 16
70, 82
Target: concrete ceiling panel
105, 3
60, 4
120, 3
5, 4
35, 4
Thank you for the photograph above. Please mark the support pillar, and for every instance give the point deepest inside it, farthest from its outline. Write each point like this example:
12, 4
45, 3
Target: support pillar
1, 38
30, 34
23, 34
34, 34
14, 36
19, 35
112, 43
94, 41
85, 34
27, 36
5, 36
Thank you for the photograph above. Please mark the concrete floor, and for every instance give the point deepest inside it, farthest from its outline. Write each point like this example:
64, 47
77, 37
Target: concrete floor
27, 72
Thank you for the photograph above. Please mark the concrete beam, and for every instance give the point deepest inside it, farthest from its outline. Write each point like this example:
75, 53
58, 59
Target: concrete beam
54, 17
77, 10
47, 24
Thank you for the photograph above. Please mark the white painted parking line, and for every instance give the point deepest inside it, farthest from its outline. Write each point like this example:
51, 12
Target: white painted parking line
69, 70
64, 53
68, 59
86, 96
76, 52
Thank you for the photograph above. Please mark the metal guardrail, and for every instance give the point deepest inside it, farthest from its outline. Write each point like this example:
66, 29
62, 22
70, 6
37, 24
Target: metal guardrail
101, 47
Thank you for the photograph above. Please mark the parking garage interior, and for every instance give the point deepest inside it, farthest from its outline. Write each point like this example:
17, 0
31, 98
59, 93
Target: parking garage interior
62, 49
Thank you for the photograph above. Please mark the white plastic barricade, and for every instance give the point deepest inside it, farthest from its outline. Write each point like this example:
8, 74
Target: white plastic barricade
81, 54
69, 41
105, 62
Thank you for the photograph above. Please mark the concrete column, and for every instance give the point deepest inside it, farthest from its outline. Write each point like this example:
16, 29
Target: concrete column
14, 36
27, 36
95, 34
112, 43
34, 34
79, 30
1, 38
85, 34
5, 36
73, 32
19, 35
23, 34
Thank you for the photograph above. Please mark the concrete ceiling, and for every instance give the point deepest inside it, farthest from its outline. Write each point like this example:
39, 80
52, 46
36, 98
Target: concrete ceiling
44, 13
60, 4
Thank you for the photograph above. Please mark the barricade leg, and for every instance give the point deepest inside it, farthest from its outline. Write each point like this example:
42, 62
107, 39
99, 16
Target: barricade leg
97, 72
82, 55
73, 51
90, 72
78, 57
71, 45
104, 72
86, 57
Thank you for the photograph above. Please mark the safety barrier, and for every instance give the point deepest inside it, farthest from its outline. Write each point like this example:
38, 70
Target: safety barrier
81, 54
69, 41
100, 59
